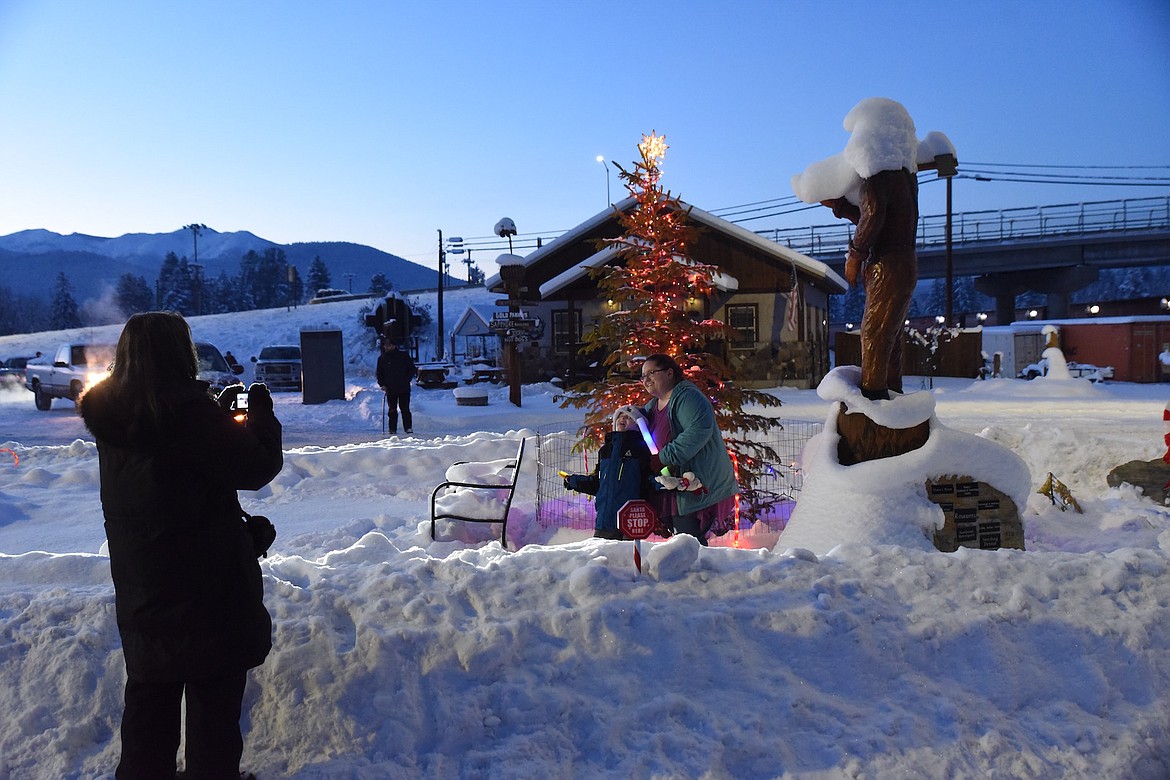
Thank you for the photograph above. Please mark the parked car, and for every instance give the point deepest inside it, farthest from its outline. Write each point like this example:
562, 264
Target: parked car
214, 368
1075, 370
279, 367
12, 371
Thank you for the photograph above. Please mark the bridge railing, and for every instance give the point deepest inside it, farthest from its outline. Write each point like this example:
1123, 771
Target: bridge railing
969, 227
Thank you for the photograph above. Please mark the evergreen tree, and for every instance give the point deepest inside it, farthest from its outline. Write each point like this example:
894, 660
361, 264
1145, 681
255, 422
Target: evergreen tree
22, 313
651, 280
133, 294
380, 284
263, 279
178, 295
936, 300
220, 294
63, 311
319, 277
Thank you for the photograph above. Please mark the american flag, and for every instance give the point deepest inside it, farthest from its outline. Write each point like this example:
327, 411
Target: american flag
792, 315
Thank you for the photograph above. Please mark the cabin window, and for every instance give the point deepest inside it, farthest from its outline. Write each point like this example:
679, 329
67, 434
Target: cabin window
743, 319
566, 331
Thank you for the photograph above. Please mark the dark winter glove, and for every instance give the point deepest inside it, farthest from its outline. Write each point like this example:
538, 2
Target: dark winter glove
263, 534
259, 399
573, 482
227, 397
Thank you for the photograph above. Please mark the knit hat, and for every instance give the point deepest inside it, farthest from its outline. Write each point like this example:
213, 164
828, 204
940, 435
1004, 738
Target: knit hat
633, 412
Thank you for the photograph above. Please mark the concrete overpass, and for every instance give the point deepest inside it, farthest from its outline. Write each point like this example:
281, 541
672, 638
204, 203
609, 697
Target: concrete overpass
1055, 250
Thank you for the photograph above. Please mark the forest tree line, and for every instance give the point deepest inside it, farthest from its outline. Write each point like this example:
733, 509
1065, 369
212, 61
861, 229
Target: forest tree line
265, 280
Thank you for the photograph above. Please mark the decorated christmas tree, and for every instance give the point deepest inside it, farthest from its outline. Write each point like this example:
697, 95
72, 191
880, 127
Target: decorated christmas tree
656, 291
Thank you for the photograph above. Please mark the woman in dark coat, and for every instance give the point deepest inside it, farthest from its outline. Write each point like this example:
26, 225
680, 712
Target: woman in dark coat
188, 588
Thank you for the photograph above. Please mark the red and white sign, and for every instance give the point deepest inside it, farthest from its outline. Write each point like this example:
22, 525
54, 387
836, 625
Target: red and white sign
637, 518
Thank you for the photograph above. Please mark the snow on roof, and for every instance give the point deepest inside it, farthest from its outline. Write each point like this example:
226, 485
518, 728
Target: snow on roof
722, 281
804, 263
567, 237
470, 315
1039, 324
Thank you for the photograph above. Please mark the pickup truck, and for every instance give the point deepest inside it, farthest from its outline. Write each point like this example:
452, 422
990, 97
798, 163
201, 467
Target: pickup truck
74, 367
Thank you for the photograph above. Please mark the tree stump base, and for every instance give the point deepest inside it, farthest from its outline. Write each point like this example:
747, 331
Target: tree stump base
862, 439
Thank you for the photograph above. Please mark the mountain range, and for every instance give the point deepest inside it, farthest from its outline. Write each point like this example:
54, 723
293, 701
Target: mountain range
30, 260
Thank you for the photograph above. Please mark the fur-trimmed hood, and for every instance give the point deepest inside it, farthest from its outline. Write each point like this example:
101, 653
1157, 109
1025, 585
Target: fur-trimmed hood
113, 417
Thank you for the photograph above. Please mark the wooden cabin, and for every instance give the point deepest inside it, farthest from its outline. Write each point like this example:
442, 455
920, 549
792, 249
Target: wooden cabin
753, 295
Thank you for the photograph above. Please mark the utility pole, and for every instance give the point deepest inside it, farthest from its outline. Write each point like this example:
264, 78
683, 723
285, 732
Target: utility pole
197, 228
439, 340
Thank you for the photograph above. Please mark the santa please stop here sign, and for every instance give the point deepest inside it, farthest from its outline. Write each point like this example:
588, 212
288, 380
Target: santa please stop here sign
637, 518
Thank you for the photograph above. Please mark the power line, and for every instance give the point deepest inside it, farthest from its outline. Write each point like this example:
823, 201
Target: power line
1084, 167
790, 204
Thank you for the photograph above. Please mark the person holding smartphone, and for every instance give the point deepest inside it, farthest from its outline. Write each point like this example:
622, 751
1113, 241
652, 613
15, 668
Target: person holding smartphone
187, 586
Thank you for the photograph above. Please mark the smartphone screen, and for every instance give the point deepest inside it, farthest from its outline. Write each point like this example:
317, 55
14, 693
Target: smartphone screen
242, 402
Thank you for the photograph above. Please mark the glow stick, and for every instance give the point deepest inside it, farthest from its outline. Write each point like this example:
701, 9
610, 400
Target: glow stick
646, 435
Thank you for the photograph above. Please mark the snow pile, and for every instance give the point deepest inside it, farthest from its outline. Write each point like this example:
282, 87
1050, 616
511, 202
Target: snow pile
881, 139
884, 501
399, 656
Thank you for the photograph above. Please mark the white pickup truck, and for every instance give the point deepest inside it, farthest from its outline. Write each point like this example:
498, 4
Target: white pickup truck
73, 368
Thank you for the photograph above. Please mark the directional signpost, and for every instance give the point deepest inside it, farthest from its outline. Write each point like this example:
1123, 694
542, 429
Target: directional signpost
637, 519
516, 327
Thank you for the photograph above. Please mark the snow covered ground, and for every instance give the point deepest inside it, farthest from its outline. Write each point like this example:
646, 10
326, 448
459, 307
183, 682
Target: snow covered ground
397, 656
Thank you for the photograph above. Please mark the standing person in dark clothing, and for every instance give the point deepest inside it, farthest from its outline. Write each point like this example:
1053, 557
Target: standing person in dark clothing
187, 586
395, 371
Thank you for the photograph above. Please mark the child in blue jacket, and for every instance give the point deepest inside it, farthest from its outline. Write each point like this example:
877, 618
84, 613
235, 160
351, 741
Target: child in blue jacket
622, 473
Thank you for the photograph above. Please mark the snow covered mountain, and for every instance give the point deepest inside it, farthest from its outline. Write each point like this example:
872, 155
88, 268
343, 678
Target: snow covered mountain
31, 259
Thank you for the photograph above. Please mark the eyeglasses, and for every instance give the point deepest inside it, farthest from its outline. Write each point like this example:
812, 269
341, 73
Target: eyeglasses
652, 372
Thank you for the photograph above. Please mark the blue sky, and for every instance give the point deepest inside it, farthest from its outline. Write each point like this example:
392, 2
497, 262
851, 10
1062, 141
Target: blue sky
384, 122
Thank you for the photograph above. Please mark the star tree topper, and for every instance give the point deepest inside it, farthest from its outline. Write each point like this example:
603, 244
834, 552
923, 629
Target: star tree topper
653, 148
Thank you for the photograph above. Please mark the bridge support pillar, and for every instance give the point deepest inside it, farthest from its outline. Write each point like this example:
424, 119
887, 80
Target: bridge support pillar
1056, 283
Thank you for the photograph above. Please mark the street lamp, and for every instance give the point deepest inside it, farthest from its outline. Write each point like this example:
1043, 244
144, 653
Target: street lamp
505, 228
608, 199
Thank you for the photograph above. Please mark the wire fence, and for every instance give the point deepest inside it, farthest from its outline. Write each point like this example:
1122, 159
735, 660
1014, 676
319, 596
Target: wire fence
774, 494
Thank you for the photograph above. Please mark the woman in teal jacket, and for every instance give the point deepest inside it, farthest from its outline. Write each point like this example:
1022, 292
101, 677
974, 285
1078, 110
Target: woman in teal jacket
681, 415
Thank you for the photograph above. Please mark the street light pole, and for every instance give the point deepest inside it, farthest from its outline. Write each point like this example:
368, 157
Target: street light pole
947, 166
442, 260
196, 228
608, 199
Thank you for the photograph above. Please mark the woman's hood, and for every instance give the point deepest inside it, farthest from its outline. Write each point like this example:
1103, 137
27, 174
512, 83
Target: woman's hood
114, 416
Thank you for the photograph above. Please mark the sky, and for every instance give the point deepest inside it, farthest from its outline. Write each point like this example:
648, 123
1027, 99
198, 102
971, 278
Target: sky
385, 123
